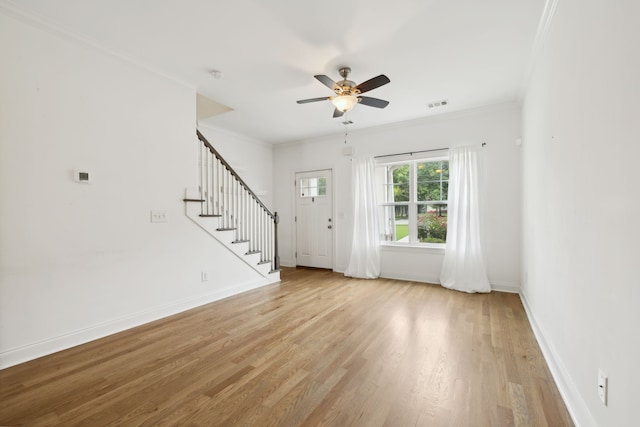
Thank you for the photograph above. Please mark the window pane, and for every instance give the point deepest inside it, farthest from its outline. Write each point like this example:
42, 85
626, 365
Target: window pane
429, 190
432, 223
400, 181
313, 187
394, 223
304, 187
322, 186
432, 180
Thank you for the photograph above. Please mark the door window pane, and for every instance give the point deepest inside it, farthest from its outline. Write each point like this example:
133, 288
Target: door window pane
322, 186
313, 187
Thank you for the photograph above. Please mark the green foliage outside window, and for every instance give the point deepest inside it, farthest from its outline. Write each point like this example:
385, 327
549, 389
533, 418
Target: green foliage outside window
430, 187
432, 181
432, 228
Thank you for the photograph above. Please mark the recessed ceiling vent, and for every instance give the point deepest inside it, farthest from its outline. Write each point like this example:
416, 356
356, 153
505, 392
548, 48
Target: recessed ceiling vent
435, 104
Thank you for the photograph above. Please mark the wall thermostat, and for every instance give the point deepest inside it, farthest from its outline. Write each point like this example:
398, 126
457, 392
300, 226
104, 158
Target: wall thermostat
82, 177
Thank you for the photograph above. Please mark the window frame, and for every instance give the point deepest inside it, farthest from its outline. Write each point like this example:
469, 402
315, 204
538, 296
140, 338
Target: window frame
413, 203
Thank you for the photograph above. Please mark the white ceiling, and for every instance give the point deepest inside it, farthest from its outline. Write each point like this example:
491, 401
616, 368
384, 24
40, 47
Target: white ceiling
470, 52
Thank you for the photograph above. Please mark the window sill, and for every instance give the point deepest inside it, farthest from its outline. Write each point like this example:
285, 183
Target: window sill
431, 248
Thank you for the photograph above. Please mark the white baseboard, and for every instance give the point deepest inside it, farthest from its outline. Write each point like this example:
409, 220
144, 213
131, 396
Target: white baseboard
495, 286
287, 262
512, 288
576, 406
411, 277
33, 351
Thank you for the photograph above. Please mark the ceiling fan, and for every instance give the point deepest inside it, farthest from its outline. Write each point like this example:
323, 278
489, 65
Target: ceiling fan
348, 93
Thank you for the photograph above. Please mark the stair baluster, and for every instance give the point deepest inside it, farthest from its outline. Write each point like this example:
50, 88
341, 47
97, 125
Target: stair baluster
226, 194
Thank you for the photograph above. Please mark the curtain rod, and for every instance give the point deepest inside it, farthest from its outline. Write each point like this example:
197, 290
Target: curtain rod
411, 153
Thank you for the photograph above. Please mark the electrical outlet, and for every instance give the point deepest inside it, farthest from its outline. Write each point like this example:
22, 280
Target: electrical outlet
204, 276
603, 385
158, 216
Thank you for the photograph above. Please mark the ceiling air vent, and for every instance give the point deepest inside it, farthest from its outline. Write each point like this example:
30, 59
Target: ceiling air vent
442, 103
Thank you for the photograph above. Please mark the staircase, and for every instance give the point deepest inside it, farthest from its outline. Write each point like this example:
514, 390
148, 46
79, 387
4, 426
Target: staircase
226, 208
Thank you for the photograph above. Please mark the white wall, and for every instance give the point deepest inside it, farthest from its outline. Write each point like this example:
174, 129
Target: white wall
581, 206
498, 126
80, 261
250, 158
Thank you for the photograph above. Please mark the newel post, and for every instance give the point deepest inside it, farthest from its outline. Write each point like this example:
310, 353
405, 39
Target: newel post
276, 257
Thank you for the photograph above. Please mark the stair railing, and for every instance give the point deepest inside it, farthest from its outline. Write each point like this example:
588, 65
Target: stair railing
228, 197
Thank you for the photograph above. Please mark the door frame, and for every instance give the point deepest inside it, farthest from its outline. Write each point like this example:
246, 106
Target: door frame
294, 234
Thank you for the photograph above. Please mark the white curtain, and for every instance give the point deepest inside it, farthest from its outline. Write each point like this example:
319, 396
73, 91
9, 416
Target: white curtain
365, 243
463, 267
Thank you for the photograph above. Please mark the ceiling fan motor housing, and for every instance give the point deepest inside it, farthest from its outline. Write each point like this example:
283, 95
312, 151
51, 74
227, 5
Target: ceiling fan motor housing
345, 87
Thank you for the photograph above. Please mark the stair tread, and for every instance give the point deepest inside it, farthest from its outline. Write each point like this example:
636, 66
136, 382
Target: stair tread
252, 252
193, 200
239, 241
266, 261
210, 215
275, 270
225, 229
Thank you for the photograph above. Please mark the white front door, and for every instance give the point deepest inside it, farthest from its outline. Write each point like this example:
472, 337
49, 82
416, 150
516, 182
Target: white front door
314, 222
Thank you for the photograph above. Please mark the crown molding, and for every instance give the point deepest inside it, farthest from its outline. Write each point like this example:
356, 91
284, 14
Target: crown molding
441, 117
543, 28
203, 127
19, 13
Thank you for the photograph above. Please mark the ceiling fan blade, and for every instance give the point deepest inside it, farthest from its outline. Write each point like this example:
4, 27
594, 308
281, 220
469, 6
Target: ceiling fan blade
326, 80
373, 83
372, 102
337, 113
306, 101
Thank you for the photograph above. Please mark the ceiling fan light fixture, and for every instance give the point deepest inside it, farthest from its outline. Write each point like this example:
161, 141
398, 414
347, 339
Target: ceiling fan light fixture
344, 102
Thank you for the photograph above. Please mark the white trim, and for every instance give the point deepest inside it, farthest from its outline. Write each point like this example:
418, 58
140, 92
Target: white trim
286, 262
40, 22
495, 286
42, 348
543, 27
434, 248
440, 117
411, 277
576, 406
203, 127
499, 286
433, 155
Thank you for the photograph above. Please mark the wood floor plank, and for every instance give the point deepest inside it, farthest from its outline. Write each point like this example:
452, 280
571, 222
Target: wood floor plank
316, 349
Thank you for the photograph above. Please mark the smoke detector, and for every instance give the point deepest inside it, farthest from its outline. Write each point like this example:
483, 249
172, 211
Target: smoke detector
217, 74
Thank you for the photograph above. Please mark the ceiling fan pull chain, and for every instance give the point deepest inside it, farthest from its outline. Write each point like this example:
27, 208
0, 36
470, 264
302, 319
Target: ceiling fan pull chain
346, 130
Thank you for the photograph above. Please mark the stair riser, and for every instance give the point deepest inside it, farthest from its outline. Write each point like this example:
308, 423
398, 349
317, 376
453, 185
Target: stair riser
227, 237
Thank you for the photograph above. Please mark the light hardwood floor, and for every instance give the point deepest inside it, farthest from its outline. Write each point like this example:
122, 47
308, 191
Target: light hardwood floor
316, 349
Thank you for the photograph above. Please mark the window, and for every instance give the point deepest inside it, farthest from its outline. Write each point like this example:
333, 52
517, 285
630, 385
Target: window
313, 187
412, 199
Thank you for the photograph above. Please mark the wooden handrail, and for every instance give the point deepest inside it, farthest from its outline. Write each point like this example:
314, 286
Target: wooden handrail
266, 244
235, 175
